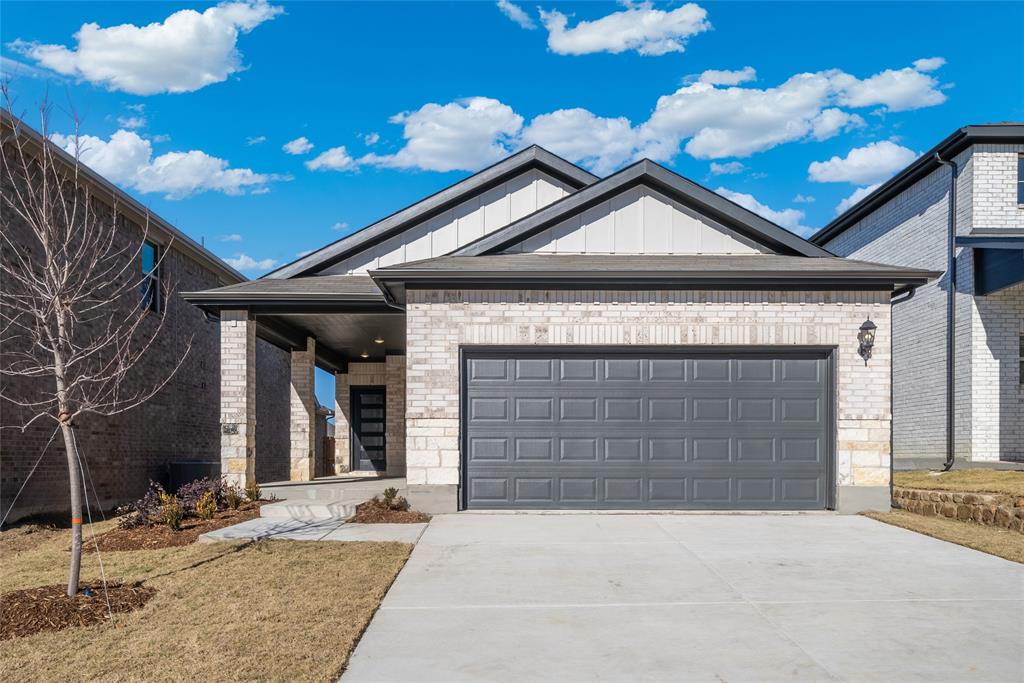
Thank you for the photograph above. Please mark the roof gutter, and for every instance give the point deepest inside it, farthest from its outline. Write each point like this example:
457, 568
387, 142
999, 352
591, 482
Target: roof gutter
950, 315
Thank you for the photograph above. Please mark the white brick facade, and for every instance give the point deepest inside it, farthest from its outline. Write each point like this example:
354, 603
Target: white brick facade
439, 322
911, 230
303, 413
238, 397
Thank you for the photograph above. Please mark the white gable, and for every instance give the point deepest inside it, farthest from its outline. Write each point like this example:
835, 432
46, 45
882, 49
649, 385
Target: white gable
460, 225
639, 221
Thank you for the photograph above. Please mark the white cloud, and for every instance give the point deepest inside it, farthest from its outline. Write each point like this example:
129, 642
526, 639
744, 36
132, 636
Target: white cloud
803, 199
858, 194
340, 225
929, 63
304, 252
185, 52
790, 219
716, 77
516, 14
893, 89
371, 139
233, 237
705, 120
334, 159
127, 159
727, 168
830, 122
131, 121
257, 140
640, 27
246, 263
862, 165
11, 68
297, 146
462, 135
600, 143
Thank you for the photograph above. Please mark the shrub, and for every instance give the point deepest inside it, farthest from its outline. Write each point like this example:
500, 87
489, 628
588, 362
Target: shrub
392, 501
191, 493
207, 506
171, 512
144, 511
232, 496
252, 491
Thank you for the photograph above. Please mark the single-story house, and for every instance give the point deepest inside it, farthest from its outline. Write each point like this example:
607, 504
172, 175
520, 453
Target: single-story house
537, 337
958, 354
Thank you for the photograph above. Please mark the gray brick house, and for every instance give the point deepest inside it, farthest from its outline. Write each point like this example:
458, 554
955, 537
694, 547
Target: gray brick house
178, 424
537, 337
907, 221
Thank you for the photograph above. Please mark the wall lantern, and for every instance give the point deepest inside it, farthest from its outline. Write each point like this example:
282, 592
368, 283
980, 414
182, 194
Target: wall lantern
866, 337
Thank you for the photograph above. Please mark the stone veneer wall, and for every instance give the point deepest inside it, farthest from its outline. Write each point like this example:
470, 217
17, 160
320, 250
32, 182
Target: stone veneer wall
391, 375
439, 322
992, 509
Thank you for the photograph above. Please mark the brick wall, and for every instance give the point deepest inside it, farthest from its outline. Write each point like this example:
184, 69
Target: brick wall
126, 451
438, 322
911, 230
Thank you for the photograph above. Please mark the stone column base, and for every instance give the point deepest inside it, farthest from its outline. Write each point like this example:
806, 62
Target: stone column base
851, 500
435, 499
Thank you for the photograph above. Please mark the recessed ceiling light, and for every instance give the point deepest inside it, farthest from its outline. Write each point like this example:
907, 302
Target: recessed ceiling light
378, 340
364, 354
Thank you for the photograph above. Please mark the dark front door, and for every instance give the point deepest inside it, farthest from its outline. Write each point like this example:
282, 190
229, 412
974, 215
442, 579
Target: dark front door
607, 428
368, 420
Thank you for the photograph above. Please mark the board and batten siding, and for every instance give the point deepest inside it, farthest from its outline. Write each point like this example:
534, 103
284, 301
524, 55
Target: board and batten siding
639, 221
464, 223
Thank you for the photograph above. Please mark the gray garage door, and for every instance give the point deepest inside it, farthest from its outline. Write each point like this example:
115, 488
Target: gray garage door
603, 429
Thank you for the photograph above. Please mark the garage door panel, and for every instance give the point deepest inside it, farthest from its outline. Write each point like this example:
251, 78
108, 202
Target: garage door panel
581, 429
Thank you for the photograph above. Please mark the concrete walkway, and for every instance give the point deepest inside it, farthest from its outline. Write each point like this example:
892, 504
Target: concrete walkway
263, 528
693, 598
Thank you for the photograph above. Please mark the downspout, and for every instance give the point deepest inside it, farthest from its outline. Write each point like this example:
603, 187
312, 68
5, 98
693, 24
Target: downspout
900, 296
950, 318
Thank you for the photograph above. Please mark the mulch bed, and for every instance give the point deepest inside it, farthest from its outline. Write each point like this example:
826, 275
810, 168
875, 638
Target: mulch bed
48, 608
161, 536
377, 512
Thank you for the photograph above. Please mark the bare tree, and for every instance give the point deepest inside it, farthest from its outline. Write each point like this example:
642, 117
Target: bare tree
77, 312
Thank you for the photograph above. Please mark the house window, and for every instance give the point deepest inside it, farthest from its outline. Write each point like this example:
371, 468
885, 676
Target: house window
150, 286
1020, 359
1020, 179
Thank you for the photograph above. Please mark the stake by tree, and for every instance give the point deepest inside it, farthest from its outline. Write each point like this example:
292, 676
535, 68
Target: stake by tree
78, 307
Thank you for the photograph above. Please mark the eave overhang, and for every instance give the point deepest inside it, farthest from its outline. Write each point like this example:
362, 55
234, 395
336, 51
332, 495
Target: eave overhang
959, 140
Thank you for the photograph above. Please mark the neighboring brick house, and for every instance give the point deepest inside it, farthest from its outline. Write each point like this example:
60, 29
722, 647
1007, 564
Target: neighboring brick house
537, 337
906, 221
181, 422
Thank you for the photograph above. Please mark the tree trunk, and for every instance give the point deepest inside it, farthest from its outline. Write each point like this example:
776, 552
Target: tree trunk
75, 479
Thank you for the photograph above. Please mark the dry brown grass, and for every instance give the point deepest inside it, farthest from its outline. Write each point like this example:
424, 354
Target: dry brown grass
276, 610
1010, 482
1002, 542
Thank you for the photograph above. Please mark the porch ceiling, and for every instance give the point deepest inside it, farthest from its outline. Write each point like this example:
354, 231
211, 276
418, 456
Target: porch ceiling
349, 334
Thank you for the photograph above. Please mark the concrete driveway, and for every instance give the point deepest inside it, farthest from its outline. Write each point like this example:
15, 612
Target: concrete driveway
694, 598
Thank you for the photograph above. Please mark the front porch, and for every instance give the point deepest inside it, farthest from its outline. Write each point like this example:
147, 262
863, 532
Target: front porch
340, 324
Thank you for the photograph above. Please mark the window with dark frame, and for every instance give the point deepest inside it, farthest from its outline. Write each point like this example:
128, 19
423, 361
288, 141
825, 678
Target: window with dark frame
150, 286
1020, 179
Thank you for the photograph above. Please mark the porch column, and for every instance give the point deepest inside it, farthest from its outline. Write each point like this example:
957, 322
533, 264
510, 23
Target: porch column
303, 413
341, 424
237, 397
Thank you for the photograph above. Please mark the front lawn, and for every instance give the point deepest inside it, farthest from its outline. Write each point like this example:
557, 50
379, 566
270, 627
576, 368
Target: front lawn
1002, 542
1008, 482
271, 610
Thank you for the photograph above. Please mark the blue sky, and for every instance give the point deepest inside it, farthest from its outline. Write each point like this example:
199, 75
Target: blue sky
190, 110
